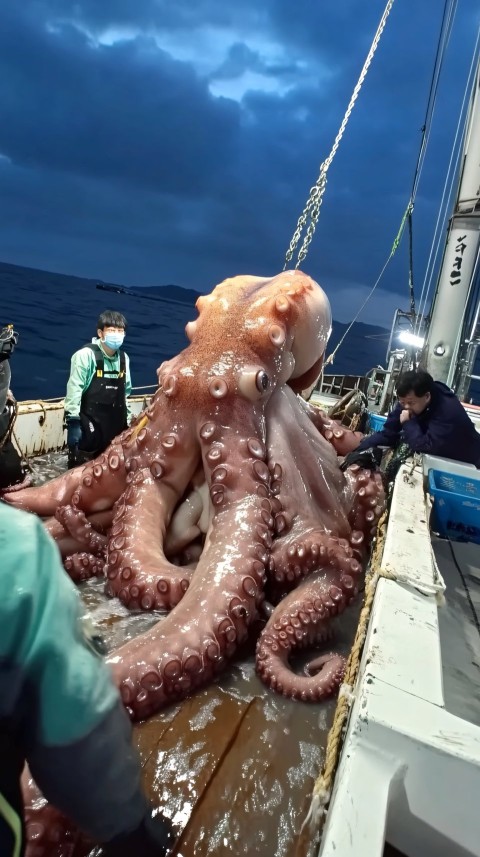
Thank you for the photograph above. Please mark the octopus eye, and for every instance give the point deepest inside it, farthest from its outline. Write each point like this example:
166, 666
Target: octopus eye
261, 381
253, 382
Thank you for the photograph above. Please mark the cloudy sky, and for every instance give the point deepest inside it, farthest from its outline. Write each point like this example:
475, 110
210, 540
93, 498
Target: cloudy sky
148, 142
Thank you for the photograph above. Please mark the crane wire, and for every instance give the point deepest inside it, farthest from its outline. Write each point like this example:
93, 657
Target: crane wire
448, 16
311, 210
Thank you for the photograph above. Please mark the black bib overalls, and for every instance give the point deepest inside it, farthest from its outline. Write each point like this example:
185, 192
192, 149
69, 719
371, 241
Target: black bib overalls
103, 410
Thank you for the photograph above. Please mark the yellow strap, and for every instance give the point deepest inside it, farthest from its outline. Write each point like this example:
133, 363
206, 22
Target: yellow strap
14, 823
143, 422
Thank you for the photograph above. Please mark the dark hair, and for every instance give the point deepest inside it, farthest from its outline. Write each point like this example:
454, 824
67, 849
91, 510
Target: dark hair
111, 318
416, 381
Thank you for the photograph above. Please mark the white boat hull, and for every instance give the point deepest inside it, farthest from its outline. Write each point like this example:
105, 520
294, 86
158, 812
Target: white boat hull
410, 770
39, 428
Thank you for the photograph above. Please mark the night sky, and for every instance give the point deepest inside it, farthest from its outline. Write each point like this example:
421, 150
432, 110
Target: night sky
146, 142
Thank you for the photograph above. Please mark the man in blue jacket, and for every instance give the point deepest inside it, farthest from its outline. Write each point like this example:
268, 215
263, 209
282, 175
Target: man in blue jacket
59, 709
429, 418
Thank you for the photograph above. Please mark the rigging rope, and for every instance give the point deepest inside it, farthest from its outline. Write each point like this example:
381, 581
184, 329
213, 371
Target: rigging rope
395, 245
448, 16
447, 191
410, 263
449, 10
312, 207
445, 31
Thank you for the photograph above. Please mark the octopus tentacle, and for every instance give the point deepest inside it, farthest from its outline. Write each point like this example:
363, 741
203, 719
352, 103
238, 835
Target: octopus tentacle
82, 566
293, 559
299, 621
368, 500
75, 522
102, 481
91, 487
162, 666
48, 833
44, 499
343, 439
304, 493
19, 486
136, 568
67, 544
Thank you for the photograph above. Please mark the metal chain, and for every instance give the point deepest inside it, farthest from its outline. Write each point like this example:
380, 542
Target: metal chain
312, 207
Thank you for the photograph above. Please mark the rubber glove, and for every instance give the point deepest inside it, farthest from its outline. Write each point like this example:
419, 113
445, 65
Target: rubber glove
74, 431
368, 458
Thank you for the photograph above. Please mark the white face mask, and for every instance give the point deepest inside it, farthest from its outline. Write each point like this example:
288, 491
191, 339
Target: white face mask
114, 340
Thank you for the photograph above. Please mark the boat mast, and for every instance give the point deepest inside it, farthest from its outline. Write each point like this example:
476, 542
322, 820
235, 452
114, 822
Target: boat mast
445, 340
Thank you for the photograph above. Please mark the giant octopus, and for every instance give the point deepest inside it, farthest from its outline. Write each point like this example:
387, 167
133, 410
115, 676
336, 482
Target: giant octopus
223, 497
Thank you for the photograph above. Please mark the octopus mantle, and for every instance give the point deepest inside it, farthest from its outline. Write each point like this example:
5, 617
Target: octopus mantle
223, 498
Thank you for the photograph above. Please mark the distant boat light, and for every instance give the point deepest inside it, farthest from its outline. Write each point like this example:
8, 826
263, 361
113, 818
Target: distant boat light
407, 338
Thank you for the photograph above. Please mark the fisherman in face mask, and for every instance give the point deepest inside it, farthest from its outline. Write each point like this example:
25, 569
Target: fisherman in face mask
96, 403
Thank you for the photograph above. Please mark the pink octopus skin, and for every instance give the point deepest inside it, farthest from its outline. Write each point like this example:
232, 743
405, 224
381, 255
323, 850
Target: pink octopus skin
229, 482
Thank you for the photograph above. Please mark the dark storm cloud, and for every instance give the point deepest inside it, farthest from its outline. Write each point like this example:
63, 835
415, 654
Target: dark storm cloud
178, 15
123, 162
240, 59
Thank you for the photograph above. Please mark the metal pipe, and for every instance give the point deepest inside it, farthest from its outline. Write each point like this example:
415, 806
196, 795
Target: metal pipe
458, 264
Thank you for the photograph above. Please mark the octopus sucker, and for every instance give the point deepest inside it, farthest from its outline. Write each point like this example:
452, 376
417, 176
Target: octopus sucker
82, 566
300, 621
224, 496
76, 524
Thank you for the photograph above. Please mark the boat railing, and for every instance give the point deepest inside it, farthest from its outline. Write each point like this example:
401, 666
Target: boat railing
339, 385
144, 387
39, 424
371, 384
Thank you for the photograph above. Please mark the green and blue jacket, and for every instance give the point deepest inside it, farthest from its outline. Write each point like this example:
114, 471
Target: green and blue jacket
59, 709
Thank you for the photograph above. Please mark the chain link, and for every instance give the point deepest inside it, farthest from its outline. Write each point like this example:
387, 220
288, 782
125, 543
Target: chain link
312, 208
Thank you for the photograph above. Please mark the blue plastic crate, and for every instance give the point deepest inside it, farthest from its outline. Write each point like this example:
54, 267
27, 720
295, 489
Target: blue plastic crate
376, 422
456, 506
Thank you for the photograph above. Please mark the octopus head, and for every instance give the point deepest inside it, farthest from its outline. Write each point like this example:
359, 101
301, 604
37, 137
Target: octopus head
251, 335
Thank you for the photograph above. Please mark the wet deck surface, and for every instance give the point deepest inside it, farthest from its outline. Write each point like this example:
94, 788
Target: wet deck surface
234, 765
459, 622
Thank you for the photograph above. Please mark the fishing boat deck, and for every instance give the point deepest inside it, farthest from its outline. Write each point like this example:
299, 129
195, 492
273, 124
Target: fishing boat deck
234, 765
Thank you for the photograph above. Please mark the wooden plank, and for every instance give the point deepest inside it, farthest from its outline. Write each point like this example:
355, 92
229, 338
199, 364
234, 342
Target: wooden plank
259, 796
183, 761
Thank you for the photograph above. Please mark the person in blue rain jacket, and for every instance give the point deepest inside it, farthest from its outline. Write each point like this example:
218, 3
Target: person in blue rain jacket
429, 418
59, 708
